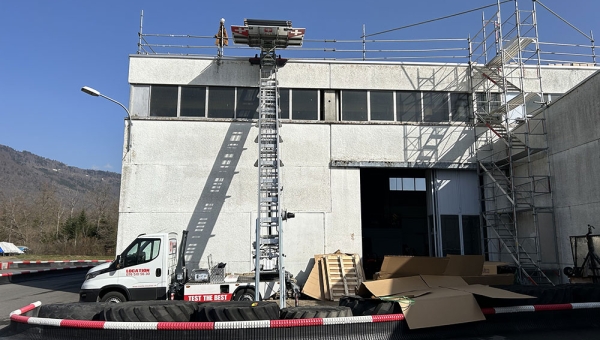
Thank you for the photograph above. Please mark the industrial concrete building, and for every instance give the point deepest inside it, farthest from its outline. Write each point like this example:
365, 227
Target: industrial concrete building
494, 155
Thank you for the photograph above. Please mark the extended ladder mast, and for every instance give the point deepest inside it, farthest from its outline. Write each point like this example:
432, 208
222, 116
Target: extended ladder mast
269, 35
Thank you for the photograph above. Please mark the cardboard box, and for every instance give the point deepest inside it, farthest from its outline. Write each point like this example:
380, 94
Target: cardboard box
313, 286
491, 268
469, 267
464, 265
491, 280
429, 301
401, 266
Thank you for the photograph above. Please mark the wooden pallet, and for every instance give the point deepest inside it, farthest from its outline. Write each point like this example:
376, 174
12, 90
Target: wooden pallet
342, 274
333, 276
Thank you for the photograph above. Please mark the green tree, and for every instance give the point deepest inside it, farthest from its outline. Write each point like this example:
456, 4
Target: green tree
77, 226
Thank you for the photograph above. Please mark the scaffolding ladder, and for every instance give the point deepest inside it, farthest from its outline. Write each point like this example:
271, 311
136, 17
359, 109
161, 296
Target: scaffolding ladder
268, 245
511, 189
269, 35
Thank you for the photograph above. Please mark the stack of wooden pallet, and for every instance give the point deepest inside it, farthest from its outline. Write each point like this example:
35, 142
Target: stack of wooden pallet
333, 276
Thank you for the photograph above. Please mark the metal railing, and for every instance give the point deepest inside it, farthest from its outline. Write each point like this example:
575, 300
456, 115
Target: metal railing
442, 50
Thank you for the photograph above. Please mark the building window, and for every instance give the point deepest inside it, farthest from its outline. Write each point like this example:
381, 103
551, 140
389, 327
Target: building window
487, 102
163, 101
354, 105
435, 107
408, 106
220, 102
305, 104
459, 106
247, 103
407, 184
382, 105
284, 103
193, 101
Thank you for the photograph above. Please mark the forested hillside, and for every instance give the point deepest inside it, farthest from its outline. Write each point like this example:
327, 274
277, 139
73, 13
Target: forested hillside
53, 208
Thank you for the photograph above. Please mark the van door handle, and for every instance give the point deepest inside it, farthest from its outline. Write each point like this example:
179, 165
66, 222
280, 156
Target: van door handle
158, 272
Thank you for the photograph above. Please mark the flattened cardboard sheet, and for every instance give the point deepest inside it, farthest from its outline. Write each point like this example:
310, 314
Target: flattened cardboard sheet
313, 286
442, 307
464, 265
434, 281
402, 266
429, 300
491, 280
492, 292
394, 286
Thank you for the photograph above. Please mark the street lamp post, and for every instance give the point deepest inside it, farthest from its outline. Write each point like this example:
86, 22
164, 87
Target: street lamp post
95, 93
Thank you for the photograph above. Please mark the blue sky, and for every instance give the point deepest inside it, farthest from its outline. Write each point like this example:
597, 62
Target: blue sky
51, 48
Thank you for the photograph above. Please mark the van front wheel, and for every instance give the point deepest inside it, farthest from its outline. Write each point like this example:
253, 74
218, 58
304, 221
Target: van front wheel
114, 297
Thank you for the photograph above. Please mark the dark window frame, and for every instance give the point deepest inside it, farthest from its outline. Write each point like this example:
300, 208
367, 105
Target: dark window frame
247, 107
225, 110
184, 108
416, 109
161, 101
384, 112
439, 104
295, 112
360, 114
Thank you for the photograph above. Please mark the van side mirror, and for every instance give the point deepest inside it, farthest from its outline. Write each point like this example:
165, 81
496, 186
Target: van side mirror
117, 263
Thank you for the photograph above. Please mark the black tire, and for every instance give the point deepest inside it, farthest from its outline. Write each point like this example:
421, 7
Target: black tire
73, 311
310, 312
541, 295
246, 294
363, 306
151, 311
113, 297
586, 292
237, 311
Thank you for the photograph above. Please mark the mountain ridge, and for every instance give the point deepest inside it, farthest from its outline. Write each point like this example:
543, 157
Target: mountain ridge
23, 173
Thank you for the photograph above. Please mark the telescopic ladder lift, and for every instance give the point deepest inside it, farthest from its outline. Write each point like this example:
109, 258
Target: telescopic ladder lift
269, 35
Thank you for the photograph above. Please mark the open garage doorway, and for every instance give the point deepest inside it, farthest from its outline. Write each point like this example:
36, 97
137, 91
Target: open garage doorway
394, 214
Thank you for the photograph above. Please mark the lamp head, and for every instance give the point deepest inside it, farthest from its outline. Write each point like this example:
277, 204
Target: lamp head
90, 91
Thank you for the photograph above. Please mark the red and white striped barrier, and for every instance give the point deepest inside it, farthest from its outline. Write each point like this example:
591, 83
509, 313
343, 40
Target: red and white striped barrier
9, 263
60, 264
538, 308
17, 316
42, 270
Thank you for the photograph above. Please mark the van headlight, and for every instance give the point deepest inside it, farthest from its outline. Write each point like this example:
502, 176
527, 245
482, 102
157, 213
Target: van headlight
91, 275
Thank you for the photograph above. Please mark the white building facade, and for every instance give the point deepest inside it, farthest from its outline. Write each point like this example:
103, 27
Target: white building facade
380, 158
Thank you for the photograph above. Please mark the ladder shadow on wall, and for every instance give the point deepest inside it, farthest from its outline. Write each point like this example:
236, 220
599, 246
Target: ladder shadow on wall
438, 144
207, 210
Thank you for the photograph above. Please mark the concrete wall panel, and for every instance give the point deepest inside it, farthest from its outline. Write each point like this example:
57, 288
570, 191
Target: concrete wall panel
178, 70
334, 74
305, 144
306, 189
303, 238
402, 143
573, 121
343, 224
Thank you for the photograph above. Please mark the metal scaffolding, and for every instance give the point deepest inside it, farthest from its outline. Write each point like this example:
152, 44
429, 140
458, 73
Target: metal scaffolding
511, 140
